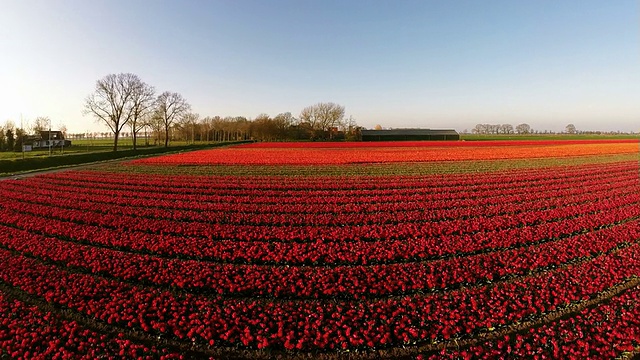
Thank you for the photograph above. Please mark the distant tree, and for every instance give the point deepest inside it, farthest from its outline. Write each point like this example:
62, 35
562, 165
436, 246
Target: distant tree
9, 125
207, 126
323, 117
506, 129
240, 127
41, 123
155, 122
283, 123
570, 129
188, 123
377, 127
63, 129
523, 129
264, 128
111, 102
141, 106
19, 139
170, 107
351, 129
3, 140
11, 140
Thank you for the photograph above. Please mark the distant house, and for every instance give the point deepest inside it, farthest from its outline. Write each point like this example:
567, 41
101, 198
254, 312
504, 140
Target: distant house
56, 138
409, 135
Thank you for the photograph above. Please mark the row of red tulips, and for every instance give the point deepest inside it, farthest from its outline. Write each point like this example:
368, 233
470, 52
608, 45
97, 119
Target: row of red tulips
468, 181
489, 204
379, 154
605, 332
311, 189
255, 201
486, 200
310, 233
317, 324
308, 282
318, 252
26, 332
510, 205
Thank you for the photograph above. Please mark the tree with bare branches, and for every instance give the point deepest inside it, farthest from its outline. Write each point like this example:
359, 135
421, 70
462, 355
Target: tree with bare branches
170, 107
322, 117
141, 106
523, 129
110, 102
283, 123
41, 123
188, 124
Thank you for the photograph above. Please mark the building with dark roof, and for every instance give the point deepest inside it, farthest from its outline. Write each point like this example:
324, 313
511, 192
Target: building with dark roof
49, 138
409, 135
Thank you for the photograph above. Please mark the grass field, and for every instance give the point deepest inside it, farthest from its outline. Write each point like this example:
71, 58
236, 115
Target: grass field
86, 146
79, 156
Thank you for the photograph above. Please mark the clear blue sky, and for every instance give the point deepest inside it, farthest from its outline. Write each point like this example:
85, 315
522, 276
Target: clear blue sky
430, 64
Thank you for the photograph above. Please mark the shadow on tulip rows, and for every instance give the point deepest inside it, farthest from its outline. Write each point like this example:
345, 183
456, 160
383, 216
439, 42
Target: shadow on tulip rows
379, 267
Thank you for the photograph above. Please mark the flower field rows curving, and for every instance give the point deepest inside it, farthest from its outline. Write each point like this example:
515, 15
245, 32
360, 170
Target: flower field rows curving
152, 259
297, 154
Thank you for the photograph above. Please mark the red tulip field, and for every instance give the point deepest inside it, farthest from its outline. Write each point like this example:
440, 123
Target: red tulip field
428, 250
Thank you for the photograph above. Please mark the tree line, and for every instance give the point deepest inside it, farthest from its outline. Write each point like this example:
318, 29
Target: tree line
522, 129
123, 99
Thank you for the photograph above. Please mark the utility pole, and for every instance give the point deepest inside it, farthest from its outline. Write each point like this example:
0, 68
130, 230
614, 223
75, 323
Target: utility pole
22, 141
49, 137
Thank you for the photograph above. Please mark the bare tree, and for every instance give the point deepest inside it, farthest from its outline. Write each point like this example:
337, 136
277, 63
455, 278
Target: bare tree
41, 123
323, 117
188, 122
264, 128
170, 106
283, 122
140, 108
110, 102
506, 128
155, 122
9, 124
523, 129
63, 129
570, 129
207, 126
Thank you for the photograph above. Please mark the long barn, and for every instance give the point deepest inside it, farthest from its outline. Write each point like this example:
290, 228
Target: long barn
409, 135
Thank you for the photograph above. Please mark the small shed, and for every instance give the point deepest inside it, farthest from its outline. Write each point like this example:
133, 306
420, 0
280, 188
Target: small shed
409, 135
